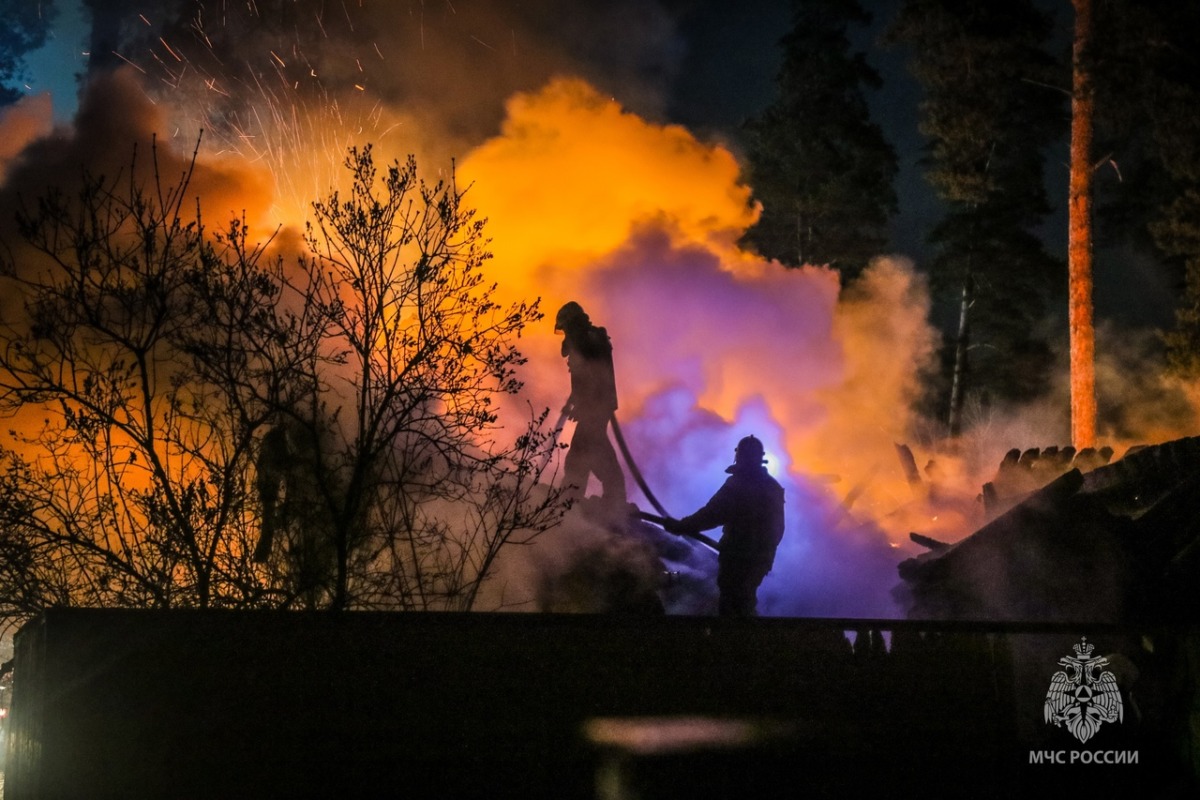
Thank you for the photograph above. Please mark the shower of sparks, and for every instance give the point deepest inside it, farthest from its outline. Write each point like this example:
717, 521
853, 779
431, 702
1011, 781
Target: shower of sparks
277, 110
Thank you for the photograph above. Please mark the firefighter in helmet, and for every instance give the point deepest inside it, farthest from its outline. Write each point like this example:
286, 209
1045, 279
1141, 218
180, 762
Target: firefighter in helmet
593, 400
750, 507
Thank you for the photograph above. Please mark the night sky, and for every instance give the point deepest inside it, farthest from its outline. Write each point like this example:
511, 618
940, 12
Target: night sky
709, 65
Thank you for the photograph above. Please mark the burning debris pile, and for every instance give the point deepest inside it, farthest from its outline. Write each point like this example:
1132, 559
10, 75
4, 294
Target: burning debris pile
1023, 472
626, 566
1119, 543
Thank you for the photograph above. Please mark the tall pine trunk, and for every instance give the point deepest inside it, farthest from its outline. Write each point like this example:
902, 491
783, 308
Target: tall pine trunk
958, 386
1079, 241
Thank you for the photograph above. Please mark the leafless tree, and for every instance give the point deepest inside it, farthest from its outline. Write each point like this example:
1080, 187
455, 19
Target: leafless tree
417, 483
176, 396
124, 481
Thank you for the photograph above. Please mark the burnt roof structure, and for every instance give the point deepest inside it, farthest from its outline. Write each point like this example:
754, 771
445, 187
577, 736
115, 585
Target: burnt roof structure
1117, 544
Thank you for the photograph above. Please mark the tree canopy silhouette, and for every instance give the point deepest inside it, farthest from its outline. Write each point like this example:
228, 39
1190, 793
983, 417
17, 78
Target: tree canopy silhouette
176, 396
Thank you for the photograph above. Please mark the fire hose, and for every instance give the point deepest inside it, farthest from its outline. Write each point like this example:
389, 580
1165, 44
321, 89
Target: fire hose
699, 537
641, 482
663, 516
633, 469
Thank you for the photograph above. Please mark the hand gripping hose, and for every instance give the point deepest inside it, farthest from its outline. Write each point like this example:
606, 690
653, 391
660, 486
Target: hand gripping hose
707, 541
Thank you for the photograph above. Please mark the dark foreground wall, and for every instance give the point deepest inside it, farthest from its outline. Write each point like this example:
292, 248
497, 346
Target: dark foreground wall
229, 704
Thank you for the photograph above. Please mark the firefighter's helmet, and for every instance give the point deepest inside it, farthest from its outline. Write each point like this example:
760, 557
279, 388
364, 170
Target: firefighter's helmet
569, 315
749, 453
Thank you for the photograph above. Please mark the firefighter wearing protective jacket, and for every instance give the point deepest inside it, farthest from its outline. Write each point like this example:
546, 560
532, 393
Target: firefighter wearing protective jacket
592, 403
750, 507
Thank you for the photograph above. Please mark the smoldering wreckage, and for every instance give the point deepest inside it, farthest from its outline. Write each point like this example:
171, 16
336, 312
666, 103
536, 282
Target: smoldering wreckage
1085, 541
652, 695
1067, 538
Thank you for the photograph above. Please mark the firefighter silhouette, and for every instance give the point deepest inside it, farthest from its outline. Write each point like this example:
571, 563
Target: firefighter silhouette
750, 507
275, 456
591, 405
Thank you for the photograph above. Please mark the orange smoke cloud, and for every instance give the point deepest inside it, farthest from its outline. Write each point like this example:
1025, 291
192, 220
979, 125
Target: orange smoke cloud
881, 322
588, 202
572, 174
638, 222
